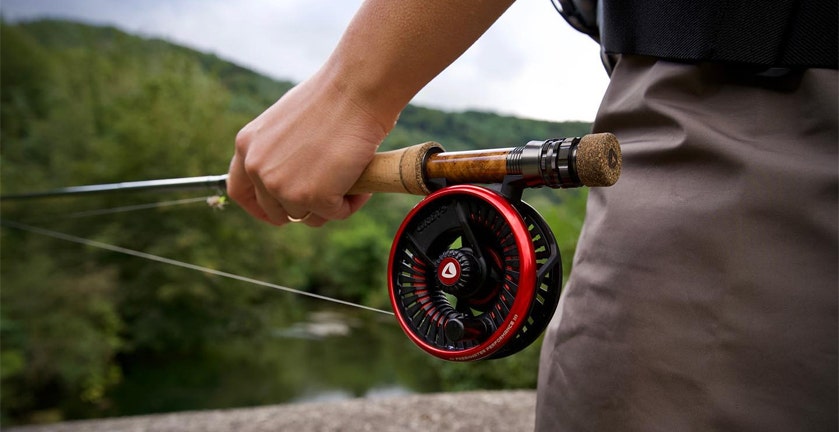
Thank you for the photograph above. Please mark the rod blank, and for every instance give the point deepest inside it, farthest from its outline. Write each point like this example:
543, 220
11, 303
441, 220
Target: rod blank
186, 183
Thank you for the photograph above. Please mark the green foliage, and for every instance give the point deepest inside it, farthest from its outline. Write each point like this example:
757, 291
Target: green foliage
83, 104
24, 66
60, 329
354, 261
472, 129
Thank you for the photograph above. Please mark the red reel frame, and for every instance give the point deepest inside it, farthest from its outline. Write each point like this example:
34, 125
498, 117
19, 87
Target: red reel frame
495, 246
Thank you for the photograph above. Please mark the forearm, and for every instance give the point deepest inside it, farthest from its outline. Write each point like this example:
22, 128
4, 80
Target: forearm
299, 158
393, 48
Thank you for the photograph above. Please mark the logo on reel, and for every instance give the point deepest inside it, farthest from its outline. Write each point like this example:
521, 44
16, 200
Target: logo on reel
448, 272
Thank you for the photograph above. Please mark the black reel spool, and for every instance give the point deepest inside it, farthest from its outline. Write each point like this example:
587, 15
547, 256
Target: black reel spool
474, 274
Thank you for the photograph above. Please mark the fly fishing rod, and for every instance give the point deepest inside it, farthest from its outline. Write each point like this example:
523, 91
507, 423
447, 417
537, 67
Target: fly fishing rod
474, 272
593, 160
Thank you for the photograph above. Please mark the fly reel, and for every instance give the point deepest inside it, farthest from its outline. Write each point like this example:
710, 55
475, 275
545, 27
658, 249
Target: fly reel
473, 275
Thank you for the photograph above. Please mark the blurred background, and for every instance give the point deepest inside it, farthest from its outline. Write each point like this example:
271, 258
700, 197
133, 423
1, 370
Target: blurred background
105, 91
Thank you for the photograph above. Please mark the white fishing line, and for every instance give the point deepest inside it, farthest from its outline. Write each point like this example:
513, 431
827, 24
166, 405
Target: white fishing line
160, 259
121, 209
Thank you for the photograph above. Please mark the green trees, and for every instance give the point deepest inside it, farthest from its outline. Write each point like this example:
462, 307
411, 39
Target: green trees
84, 105
99, 106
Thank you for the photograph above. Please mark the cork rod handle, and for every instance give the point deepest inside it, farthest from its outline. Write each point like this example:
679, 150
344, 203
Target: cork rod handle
397, 171
596, 162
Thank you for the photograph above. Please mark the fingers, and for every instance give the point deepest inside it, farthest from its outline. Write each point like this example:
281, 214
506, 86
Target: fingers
296, 161
282, 212
241, 189
254, 197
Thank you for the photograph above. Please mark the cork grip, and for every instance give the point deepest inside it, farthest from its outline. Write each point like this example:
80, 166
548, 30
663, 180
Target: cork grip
397, 171
597, 162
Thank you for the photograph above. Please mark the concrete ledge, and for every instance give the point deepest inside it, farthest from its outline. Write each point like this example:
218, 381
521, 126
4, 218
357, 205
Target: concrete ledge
450, 412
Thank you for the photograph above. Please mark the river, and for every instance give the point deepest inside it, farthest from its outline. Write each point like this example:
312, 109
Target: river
318, 352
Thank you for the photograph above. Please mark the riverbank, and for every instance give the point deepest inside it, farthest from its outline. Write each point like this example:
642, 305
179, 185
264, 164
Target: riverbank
450, 412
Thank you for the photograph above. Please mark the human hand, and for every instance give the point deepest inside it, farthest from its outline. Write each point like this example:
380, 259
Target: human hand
299, 158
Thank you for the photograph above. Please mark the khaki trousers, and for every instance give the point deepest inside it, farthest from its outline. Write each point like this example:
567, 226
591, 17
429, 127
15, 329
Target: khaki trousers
703, 294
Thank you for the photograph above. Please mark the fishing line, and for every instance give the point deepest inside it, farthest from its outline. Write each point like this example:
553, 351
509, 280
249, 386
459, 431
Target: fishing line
164, 260
121, 209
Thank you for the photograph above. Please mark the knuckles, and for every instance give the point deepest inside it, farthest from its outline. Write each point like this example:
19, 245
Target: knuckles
243, 140
291, 186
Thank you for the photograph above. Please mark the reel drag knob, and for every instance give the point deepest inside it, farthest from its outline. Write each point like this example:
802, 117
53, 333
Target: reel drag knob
460, 273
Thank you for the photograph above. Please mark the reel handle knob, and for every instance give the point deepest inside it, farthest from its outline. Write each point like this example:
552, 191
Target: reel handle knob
457, 329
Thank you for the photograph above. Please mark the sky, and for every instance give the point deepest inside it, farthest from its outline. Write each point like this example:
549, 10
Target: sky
530, 63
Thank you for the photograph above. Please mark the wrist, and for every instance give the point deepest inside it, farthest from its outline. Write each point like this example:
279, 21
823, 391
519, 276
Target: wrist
381, 102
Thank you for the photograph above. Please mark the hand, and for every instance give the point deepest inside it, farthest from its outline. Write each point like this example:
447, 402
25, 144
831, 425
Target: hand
302, 155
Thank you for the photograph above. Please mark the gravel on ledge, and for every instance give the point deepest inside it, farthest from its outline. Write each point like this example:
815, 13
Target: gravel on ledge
449, 412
